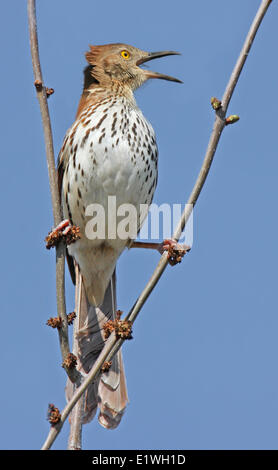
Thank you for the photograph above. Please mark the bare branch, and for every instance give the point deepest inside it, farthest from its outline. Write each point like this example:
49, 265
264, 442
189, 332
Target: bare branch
75, 434
113, 344
42, 94
42, 98
244, 53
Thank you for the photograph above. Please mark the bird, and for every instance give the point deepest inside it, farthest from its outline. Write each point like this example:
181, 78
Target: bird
110, 151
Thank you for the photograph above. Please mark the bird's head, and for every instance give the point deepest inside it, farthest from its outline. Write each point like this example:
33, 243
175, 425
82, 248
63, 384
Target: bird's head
121, 63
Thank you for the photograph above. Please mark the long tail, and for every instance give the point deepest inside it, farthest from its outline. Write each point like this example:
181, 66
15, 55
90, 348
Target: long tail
109, 391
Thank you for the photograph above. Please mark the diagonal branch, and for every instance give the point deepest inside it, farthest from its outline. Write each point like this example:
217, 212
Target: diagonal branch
113, 343
53, 181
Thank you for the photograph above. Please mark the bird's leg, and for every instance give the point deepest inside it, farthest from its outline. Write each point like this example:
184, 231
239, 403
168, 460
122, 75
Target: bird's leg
64, 231
176, 251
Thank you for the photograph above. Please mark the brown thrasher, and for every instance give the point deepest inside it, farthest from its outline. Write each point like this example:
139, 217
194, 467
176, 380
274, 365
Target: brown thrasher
110, 150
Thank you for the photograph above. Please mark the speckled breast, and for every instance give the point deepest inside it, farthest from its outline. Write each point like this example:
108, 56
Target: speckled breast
110, 151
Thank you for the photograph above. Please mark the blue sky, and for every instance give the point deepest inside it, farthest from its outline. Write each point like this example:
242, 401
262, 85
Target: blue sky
202, 367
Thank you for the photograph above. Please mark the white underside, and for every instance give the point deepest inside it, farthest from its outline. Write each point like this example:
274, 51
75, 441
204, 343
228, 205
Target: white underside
112, 167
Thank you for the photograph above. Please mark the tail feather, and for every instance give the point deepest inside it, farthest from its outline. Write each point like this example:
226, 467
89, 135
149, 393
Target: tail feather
108, 391
111, 411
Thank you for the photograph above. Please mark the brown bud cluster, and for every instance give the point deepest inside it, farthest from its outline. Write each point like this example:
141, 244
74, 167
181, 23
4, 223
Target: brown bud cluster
71, 316
70, 361
49, 92
38, 84
106, 366
54, 322
53, 414
122, 328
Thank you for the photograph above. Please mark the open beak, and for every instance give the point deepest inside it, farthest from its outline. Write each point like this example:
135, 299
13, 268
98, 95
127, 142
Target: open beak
156, 55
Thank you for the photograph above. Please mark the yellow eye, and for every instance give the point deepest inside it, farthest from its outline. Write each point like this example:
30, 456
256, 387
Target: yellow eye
125, 54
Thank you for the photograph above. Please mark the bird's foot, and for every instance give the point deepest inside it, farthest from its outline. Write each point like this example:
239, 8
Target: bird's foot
176, 251
64, 231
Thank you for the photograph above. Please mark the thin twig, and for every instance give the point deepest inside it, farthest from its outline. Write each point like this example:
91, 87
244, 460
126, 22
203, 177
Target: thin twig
75, 434
53, 181
113, 344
